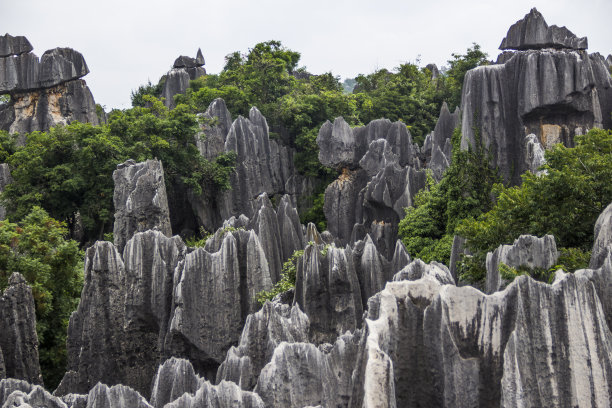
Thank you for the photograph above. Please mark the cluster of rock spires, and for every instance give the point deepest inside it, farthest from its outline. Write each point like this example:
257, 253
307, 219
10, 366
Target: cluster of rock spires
161, 324
381, 172
43, 92
262, 166
422, 341
176, 81
545, 84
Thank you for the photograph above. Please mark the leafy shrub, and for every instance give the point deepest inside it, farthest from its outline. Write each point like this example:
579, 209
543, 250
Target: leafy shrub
52, 265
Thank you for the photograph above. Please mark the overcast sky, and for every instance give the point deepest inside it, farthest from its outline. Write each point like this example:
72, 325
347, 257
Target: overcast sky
127, 42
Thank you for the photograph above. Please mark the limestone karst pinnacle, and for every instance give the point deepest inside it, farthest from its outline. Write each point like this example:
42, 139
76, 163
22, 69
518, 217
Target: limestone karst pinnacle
163, 324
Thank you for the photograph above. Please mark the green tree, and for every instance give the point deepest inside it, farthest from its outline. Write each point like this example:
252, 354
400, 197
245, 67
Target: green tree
464, 191
37, 247
138, 95
565, 201
68, 170
458, 67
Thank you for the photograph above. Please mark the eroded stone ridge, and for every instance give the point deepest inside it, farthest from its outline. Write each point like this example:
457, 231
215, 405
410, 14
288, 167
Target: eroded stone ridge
603, 238
527, 251
10, 45
532, 33
140, 200
18, 339
500, 108
183, 70
44, 92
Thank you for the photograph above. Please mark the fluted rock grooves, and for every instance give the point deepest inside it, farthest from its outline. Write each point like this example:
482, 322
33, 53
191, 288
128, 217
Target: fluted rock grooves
44, 92
160, 324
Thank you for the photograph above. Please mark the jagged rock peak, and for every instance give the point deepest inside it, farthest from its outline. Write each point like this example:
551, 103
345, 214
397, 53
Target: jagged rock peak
418, 269
174, 378
526, 251
117, 396
603, 238
433, 68
18, 339
189, 62
224, 395
300, 374
263, 331
532, 33
34, 397
10, 45
26, 72
140, 200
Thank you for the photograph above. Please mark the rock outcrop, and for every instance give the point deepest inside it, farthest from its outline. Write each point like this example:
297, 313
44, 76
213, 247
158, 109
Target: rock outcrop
381, 173
44, 92
263, 331
18, 339
418, 269
327, 290
499, 105
301, 374
262, 166
10, 46
176, 81
527, 252
603, 238
441, 141
140, 200
5, 179
532, 33
117, 396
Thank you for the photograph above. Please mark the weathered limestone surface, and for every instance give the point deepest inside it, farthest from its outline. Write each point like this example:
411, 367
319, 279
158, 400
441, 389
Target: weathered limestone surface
18, 339
418, 269
36, 397
327, 290
534, 154
95, 331
44, 92
26, 72
603, 238
205, 320
380, 176
140, 200
441, 146
532, 32
223, 395
10, 45
574, 94
117, 396
340, 206
526, 251
262, 166
263, 331
211, 139
174, 378
184, 69
301, 374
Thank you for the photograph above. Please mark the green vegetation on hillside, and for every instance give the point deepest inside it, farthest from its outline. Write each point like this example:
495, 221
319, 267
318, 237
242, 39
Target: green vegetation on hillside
68, 170
38, 248
469, 201
429, 225
565, 201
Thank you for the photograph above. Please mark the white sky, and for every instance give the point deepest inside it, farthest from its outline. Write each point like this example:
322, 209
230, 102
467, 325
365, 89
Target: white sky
127, 42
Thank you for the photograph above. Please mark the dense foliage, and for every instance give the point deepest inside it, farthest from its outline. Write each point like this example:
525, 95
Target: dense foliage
68, 170
296, 103
565, 201
428, 228
470, 201
37, 247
